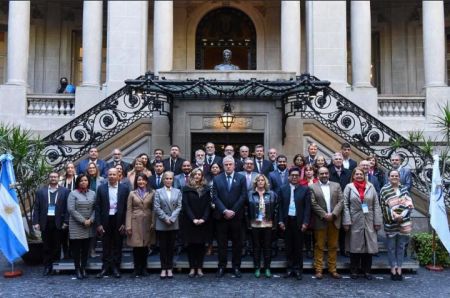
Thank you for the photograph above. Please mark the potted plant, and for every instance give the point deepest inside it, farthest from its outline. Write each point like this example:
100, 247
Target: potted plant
31, 171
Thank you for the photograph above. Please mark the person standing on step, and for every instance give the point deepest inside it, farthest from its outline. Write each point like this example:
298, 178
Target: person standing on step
229, 196
211, 156
182, 179
81, 209
49, 216
326, 204
156, 181
272, 156
117, 160
174, 161
396, 207
110, 209
262, 166
295, 211
262, 214
347, 162
362, 219
93, 157
139, 223
404, 170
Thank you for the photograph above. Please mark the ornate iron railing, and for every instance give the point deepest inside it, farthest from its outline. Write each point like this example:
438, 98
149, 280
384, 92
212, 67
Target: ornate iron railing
306, 96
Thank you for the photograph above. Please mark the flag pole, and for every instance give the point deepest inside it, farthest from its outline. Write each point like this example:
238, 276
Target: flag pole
434, 267
13, 273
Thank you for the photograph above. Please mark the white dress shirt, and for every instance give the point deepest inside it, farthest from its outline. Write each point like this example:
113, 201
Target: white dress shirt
326, 194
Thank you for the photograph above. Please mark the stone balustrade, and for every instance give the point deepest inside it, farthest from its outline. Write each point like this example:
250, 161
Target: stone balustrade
51, 105
401, 106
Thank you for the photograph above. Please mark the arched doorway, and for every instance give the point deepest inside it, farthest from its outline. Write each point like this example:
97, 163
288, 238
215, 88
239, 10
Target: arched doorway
225, 28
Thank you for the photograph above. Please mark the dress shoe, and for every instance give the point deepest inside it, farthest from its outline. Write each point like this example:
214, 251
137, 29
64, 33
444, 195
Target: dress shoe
237, 273
393, 276
288, 274
78, 274
399, 277
335, 275
83, 272
368, 276
318, 275
257, 273
267, 273
298, 275
220, 272
102, 273
354, 276
116, 272
47, 271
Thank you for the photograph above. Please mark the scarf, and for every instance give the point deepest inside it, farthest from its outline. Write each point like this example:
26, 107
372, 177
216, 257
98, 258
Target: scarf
361, 188
141, 192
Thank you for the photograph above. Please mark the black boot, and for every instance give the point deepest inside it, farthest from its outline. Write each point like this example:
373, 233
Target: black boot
78, 273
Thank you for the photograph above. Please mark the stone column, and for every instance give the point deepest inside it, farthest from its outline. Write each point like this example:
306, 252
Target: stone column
290, 36
92, 42
434, 43
163, 36
18, 42
361, 35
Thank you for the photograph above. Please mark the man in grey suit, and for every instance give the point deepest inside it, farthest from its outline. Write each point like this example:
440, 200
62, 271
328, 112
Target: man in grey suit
250, 176
182, 179
405, 172
326, 205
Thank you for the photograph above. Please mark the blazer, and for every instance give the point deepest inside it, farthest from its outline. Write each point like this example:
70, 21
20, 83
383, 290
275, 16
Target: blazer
302, 199
152, 182
374, 180
267, 167
180, 181
177, 167
253, 177
343, 180
319, 206
101, 164
231, 200
41, 207
125, 166
102, 205
216, 159
166, 208
352, 164
275, 180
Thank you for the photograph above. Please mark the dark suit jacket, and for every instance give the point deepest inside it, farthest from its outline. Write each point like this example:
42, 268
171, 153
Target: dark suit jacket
352, 164
41, 207
216, 159
125, 166
231, 200
267, 167
102, 205
177, 167
302, 198
374, 180
343, 180
152, 182
275, 180
101, 164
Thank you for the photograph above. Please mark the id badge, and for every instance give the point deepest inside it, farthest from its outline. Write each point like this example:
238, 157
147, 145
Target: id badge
260, 217
365, 208
51, 210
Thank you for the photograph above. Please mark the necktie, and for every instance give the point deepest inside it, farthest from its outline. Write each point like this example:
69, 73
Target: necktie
282, 177
172, 165
209, 160
158, 180
249, 181
260, 166
229, 182
186, 177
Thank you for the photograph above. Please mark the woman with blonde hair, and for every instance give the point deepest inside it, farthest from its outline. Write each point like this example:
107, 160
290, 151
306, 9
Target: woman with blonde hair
138, 167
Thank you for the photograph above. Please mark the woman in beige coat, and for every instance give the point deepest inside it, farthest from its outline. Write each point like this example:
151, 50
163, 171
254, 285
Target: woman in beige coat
139, 223
362, 217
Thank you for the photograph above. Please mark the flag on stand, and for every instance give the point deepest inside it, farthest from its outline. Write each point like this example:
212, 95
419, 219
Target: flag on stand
13, 242
438, 212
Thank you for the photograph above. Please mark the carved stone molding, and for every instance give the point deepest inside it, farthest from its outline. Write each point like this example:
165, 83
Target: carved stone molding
239, 123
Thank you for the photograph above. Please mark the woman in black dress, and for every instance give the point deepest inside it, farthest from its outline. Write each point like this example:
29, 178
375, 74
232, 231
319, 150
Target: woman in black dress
195, 210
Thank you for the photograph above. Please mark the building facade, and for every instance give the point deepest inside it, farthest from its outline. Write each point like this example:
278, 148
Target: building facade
392, 58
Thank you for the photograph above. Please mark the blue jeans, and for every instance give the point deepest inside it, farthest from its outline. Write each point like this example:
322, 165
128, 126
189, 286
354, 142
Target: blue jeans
396, 248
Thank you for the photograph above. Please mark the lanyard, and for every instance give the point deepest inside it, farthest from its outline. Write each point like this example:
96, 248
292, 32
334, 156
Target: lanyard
56, 196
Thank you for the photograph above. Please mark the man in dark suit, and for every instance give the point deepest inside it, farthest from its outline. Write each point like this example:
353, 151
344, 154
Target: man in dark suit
279, 177
49, 216
312, 153
200, 161
365, 165
156, 180
229, 195
262, 166
182, 179
347, 162
174, 162
342, 176
110, 212
272, 155
93, 157
295, 209
238, 164
117, 160
211, 156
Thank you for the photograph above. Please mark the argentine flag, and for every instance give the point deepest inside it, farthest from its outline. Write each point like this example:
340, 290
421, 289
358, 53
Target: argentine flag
13, 242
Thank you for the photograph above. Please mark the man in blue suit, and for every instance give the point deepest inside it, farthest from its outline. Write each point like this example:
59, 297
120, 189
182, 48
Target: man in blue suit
93, 157
404, 171
262, 166
229, 195
295, 211
279, 177
365, 165
182, 179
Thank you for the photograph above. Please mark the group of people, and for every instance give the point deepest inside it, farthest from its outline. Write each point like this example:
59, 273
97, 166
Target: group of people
170, 203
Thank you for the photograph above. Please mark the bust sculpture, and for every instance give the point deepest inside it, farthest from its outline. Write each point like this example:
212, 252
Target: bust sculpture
226, 65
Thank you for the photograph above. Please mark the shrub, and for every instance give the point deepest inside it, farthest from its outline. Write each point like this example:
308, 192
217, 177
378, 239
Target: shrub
422, 245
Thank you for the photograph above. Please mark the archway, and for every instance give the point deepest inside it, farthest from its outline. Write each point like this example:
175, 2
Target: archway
223, 28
